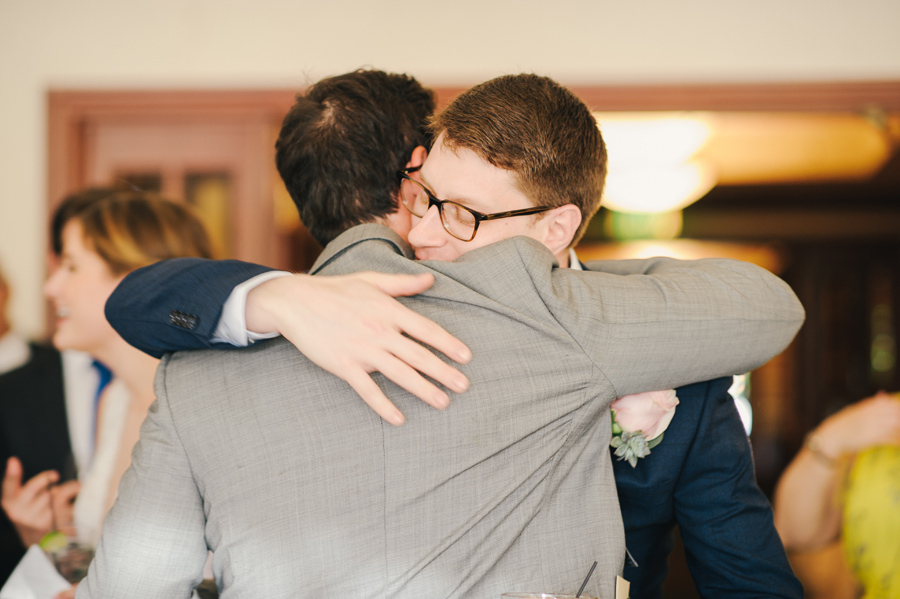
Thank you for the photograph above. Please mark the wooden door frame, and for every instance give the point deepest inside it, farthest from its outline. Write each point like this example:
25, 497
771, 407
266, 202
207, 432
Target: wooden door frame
68, 110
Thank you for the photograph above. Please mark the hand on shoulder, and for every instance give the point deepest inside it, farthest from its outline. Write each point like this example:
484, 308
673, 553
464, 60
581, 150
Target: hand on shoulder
351, 326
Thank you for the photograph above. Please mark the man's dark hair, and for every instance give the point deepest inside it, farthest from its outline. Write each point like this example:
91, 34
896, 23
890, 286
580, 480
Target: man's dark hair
342, 143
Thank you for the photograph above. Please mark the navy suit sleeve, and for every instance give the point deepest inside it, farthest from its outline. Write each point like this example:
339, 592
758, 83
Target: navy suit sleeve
175, 304
730, 541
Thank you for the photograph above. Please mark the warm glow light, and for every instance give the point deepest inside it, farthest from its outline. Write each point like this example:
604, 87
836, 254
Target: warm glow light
657, 188
764, 148
658, 139
650, 166
743, 148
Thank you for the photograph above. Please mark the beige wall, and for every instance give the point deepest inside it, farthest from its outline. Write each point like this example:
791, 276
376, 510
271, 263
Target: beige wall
48, 44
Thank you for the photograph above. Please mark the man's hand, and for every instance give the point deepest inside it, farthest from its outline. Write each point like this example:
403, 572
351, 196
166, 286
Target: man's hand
68, 593
352, 325
28, 506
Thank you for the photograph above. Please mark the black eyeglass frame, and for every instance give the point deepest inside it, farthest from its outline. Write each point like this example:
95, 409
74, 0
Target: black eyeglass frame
433, 200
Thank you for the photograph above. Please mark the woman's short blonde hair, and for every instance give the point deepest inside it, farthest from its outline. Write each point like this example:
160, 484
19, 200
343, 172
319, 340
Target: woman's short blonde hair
131, 229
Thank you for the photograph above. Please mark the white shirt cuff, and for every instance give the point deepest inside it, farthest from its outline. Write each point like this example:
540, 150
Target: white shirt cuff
232, 327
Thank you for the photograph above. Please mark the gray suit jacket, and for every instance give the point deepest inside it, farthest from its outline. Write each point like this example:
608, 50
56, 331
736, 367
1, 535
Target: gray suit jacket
302, 491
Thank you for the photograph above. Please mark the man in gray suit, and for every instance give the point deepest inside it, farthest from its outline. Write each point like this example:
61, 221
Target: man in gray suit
299, 489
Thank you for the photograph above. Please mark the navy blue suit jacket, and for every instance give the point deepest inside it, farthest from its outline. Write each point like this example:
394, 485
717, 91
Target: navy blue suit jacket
700, 477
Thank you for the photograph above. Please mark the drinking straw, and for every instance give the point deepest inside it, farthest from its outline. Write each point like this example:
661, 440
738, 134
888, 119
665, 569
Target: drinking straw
586, 578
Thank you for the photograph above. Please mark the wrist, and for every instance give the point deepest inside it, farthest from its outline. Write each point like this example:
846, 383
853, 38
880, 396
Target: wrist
257, 318
261, 310
818, 447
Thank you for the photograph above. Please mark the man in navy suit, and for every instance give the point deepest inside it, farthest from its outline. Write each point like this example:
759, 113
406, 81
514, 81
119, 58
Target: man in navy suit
700, 477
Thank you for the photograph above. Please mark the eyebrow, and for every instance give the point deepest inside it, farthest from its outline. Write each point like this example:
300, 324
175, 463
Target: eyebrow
463, 201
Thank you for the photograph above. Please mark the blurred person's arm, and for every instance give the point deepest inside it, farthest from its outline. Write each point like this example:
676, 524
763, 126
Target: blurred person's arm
807, 501
647, 324
351, 325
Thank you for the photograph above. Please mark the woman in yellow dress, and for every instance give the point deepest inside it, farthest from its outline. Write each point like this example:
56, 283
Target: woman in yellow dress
837, 505
871, 530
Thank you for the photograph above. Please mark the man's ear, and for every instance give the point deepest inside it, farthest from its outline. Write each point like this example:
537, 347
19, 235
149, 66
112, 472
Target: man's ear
418, 157
561, 224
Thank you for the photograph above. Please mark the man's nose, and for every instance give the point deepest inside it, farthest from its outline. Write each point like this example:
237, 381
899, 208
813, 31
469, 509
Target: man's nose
429, 231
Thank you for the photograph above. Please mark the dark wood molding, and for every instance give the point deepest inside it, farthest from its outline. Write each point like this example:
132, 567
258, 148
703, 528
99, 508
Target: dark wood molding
811, 97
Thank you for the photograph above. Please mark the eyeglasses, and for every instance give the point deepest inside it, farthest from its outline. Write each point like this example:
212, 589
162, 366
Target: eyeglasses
459, 221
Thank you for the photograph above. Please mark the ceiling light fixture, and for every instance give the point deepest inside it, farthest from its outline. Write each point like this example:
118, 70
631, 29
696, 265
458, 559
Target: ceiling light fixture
652, 168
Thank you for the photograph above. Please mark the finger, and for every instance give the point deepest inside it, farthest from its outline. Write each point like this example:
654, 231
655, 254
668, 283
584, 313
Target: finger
67, 491
62, 503
363, 384
12, 480
67, 594
418, 327
399, 285
413, 323
39, 483
404, 376
422, 360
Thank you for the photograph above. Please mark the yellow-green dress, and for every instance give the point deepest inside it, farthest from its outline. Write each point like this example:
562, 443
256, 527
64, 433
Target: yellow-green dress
871, 535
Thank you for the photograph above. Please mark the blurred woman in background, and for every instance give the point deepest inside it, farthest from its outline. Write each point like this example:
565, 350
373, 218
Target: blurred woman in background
102, 238
837, 505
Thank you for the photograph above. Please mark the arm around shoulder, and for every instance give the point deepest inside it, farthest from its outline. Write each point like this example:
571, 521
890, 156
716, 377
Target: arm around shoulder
682, 321
175, 304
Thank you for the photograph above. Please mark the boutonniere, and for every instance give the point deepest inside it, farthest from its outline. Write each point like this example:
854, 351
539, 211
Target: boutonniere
638, 423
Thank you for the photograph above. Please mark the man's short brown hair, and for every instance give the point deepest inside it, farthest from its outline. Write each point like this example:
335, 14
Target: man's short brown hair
537, 129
